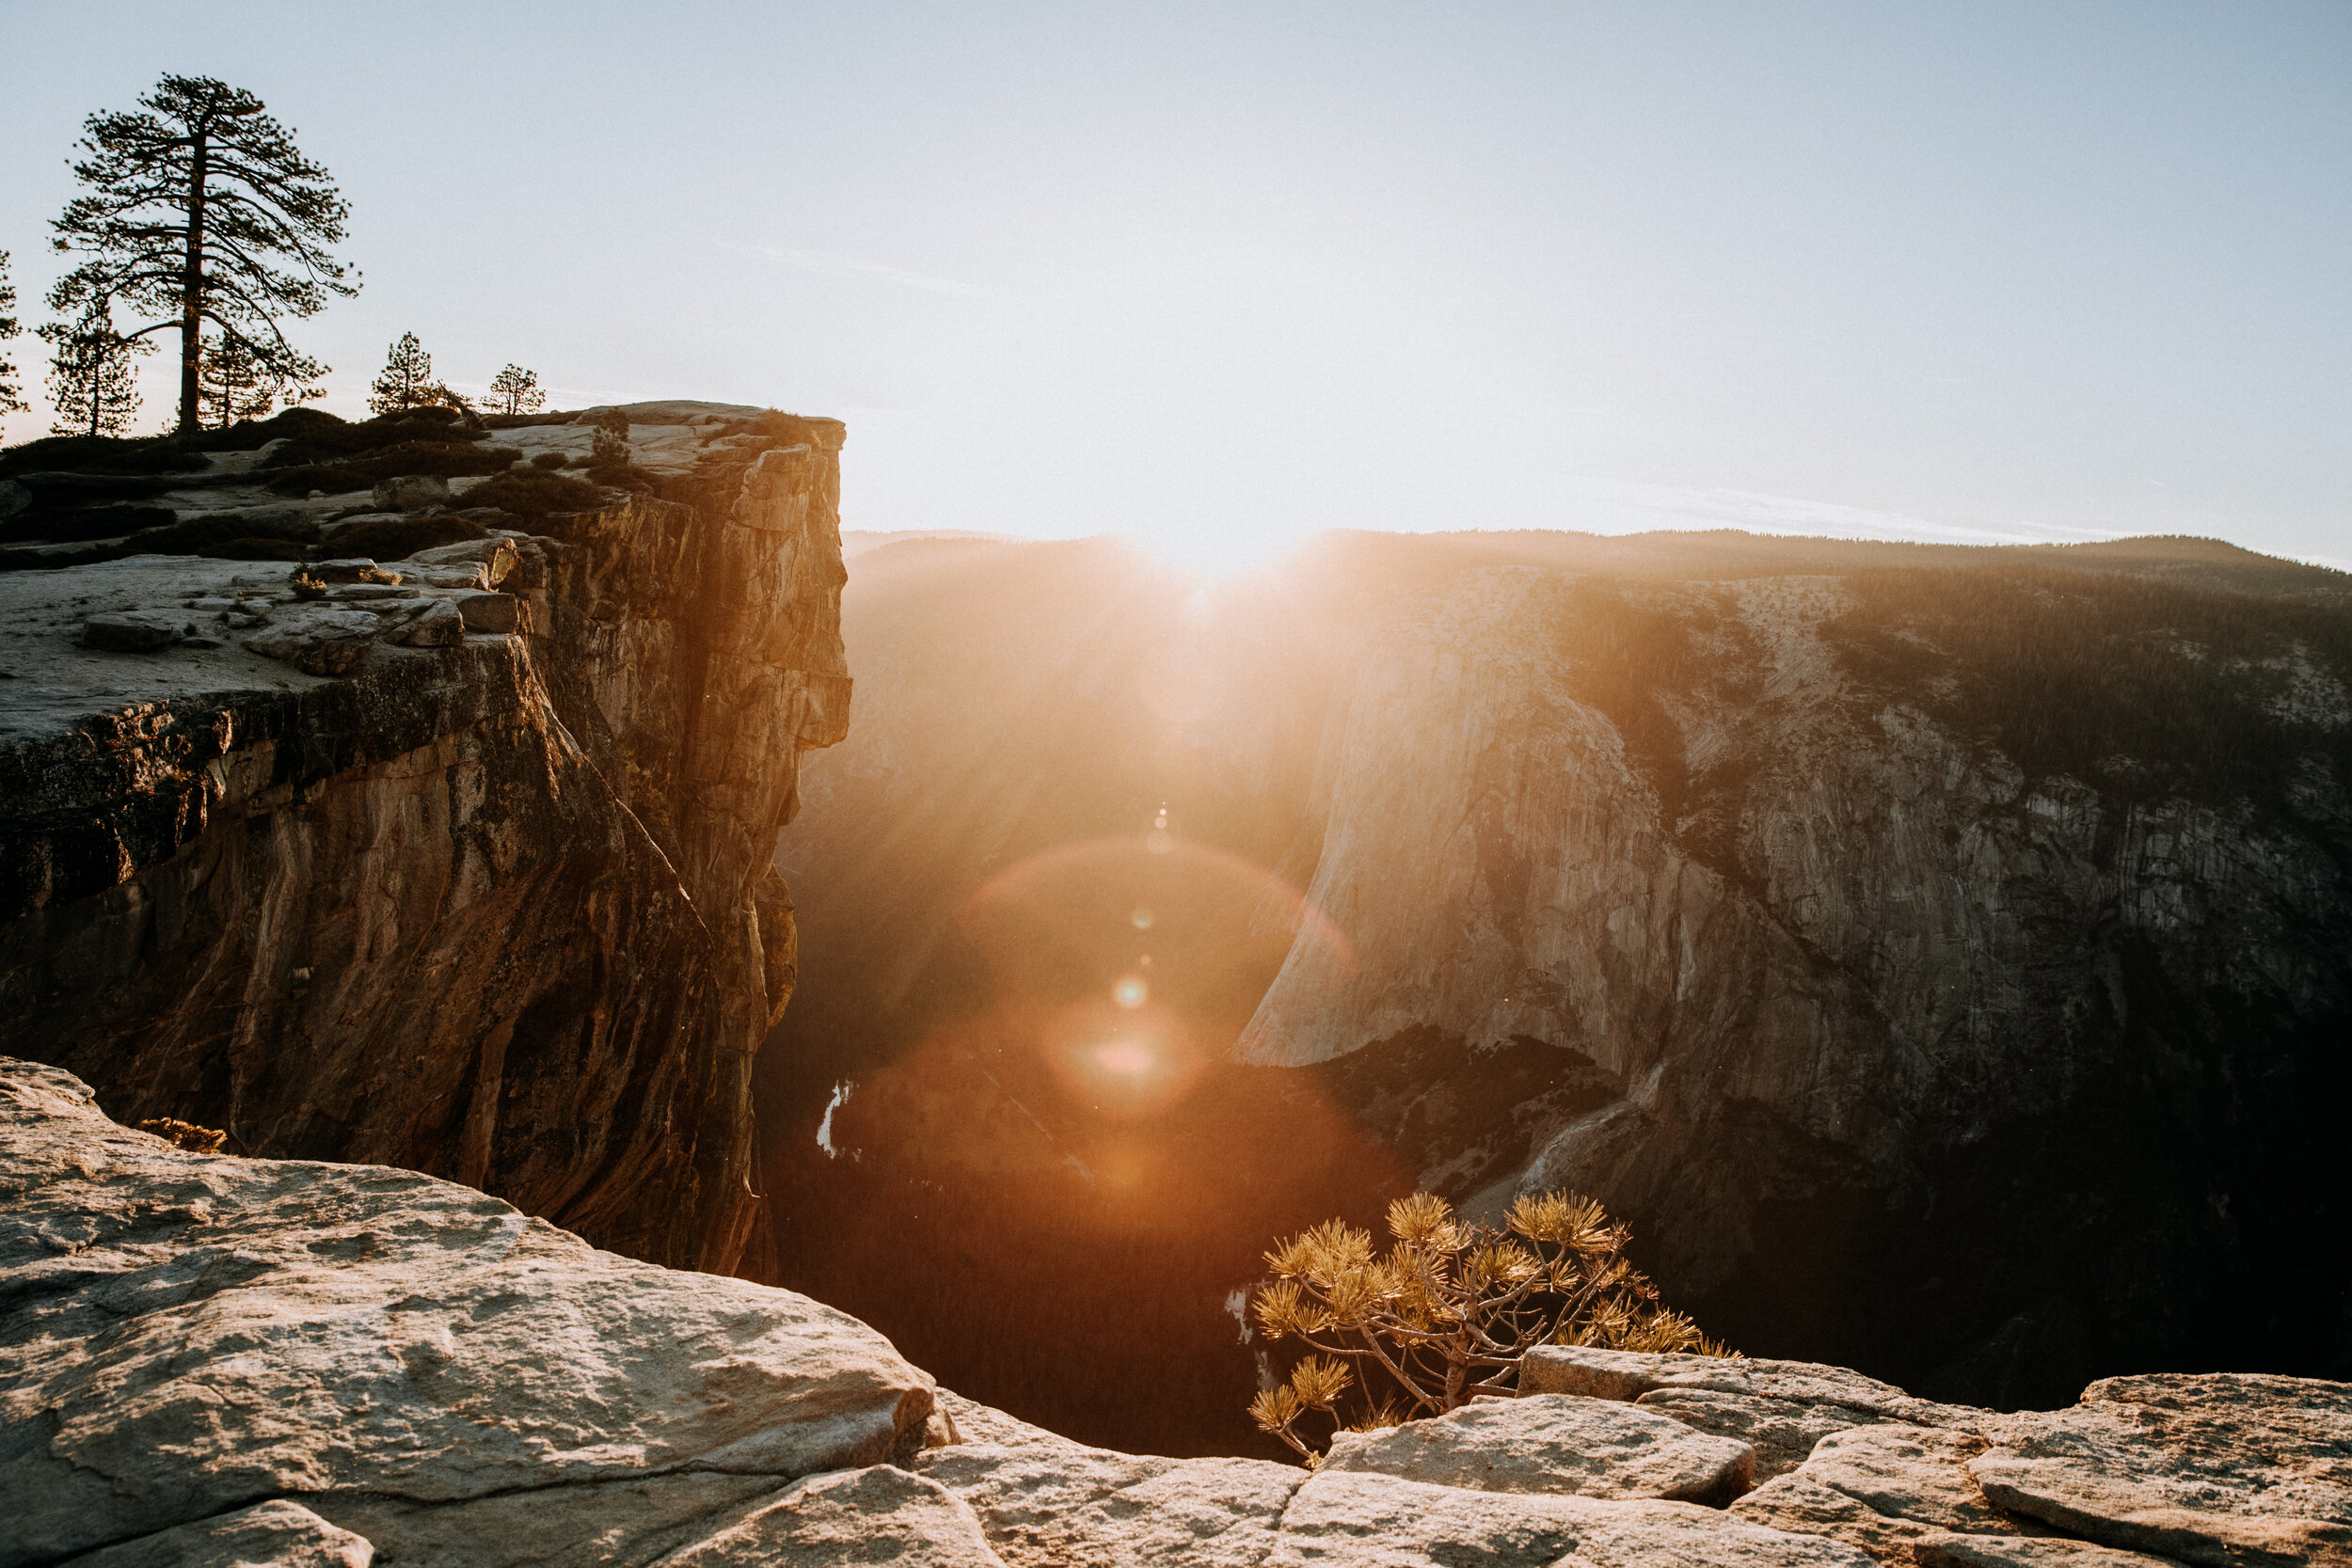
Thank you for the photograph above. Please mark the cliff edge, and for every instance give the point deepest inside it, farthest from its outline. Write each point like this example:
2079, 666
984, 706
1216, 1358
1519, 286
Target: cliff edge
209, 1360
458, 860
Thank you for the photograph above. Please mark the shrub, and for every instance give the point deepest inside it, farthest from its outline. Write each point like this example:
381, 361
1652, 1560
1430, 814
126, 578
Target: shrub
549, 459
535, 492
398, 538
1447, 1314
186, 1134
446, 459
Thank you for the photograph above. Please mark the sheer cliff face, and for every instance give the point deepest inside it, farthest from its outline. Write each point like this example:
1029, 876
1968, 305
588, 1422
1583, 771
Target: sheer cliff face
502, 909
1973, 1072
1941, 958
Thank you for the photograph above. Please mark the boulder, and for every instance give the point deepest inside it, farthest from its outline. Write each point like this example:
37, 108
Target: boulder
493, 612
471, 575
279, 1533
14, 498
1554, 1443
318, 640
133, 631
496, 555
411, 492
180, 1333
440, 627
2223, 1469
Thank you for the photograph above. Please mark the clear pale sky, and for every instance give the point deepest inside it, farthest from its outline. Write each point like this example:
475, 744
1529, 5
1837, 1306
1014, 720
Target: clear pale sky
1216, 274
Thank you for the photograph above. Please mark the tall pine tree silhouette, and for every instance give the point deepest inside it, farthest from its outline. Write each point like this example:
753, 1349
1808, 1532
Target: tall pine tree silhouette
202, 212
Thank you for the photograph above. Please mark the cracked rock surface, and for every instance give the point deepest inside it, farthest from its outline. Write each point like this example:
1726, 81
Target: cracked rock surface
209, 1360
184, 1333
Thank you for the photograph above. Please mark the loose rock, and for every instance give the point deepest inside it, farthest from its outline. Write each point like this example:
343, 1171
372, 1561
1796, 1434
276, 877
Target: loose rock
492, 613
440, 627
318, 640
133, 631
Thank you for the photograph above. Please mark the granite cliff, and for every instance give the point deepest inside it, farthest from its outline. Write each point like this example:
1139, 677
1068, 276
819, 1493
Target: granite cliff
213, 1360
393, 793
1939, 955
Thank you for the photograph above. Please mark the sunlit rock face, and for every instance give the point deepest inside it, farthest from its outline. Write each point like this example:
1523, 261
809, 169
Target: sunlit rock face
209, 1360
496, 903
1943, 958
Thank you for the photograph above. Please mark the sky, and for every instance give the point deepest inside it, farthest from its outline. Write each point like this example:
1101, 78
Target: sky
1219, 275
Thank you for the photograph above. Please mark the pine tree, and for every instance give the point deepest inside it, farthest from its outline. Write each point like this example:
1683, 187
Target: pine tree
233, 384
93, 384
407, 379
1449, 1312
11, 394
202, 211
516, 390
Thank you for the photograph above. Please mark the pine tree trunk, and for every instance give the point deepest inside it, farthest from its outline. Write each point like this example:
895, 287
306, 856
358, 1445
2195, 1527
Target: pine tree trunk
192, 288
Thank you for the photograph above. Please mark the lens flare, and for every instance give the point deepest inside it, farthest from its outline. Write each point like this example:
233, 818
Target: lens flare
1125, 1036
1126, 1058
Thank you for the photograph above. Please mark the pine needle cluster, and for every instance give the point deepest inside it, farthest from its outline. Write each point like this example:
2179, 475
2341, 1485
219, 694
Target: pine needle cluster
1448, 1311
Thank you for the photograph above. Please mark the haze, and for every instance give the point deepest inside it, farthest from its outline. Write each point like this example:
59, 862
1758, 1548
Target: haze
1219, 275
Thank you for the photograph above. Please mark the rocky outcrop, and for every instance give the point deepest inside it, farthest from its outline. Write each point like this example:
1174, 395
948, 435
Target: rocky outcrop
458, 862
410, 1360
208, 1359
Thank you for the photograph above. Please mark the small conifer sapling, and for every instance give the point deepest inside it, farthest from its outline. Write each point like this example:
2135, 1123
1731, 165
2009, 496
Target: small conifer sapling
93, 382
406, 381
516, 390
11, 389
1448, 1311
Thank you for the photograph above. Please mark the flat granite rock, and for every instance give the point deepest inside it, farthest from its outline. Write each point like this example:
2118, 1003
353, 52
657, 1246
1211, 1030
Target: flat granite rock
1782, 1431
1910, 1472
881, 1515
2226, 1469
1554, 1443
2026, 1551
1802, 1506
181, 1334
1370, 1521
1889, 1489
1042, 1508
1045, 1507
1779, 1408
